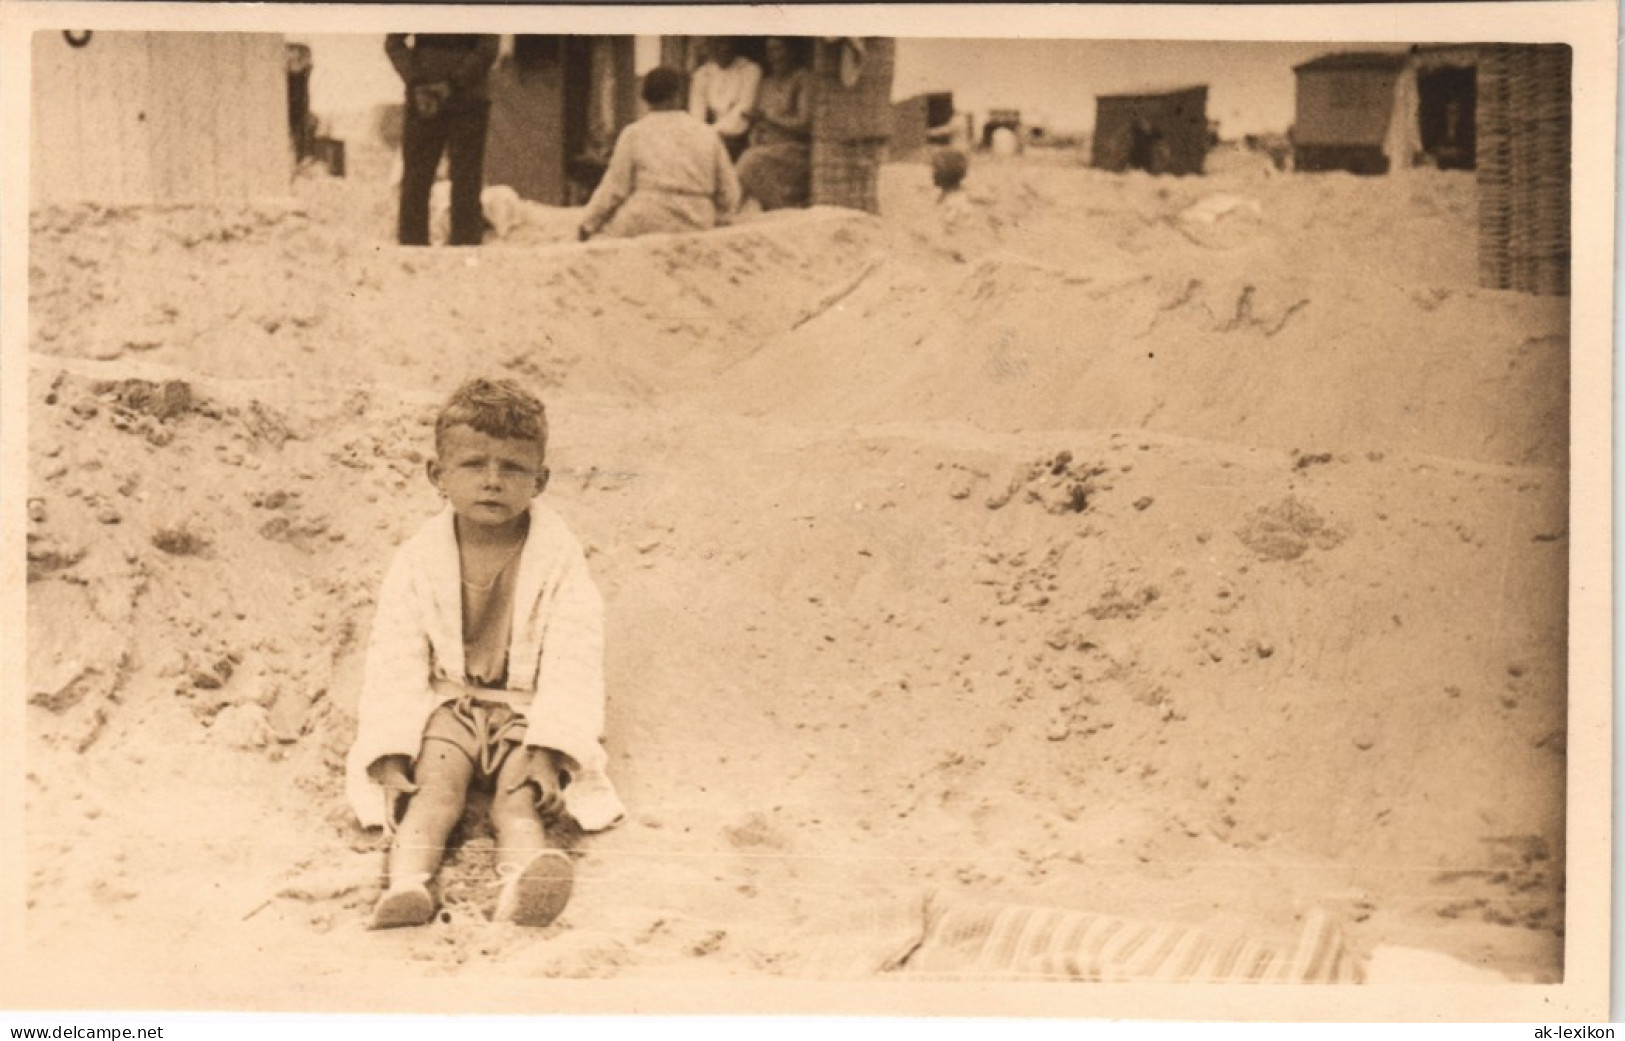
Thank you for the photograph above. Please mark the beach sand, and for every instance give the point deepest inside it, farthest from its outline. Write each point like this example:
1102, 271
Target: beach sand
1053, 546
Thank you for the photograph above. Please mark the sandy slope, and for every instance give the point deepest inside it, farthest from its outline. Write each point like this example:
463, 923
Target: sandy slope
1042, 547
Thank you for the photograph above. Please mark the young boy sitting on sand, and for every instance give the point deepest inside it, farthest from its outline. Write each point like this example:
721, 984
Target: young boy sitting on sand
485, 666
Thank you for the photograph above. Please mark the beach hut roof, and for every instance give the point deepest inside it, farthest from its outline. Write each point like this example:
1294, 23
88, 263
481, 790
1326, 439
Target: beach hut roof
1386, 60
1155, 92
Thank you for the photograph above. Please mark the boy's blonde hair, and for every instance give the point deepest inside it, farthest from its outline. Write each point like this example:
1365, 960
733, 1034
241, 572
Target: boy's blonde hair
496, 408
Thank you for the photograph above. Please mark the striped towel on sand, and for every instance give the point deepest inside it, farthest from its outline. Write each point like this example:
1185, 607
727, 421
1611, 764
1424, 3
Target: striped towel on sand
926, 938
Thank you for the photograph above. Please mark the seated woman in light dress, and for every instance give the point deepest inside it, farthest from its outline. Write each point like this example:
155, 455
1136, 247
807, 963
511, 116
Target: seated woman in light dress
777, 168
669, 172
723, 91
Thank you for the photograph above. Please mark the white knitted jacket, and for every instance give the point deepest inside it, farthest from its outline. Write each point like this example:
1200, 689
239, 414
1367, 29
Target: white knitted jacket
555, 661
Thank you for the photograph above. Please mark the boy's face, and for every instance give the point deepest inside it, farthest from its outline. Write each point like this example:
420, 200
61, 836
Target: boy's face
489, 480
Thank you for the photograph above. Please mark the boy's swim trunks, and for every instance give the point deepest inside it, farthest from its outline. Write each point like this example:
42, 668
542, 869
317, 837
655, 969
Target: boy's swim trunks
485, 731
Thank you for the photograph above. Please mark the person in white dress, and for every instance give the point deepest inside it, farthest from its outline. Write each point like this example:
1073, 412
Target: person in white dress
723, 93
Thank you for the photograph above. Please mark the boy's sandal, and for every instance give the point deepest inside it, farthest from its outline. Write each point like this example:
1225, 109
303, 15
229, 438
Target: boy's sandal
536, 895
405, 906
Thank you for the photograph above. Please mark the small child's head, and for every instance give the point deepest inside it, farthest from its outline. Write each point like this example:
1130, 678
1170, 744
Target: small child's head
490, 444
948, 168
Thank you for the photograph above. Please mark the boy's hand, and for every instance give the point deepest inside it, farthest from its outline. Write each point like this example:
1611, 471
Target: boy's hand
542, 767
392, 774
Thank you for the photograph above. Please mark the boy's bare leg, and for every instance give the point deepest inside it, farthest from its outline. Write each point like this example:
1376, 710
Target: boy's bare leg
442, 776
441, 782
537, 879
520, 833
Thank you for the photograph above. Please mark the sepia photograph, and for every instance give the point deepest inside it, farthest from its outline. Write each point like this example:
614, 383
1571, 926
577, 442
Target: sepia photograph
693, 510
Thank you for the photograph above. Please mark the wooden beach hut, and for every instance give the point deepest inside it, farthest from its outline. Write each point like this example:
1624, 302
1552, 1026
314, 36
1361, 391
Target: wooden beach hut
1344, 107
916, 120
159, 117
1375, 112
1446, 98
557, 105
1161, 133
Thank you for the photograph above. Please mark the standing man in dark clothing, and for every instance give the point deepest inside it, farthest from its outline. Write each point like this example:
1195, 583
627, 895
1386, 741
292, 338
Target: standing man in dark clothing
448, 107
299, 121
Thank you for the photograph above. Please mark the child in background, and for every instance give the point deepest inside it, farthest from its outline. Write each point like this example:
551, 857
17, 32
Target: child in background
485, 665
948, 169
